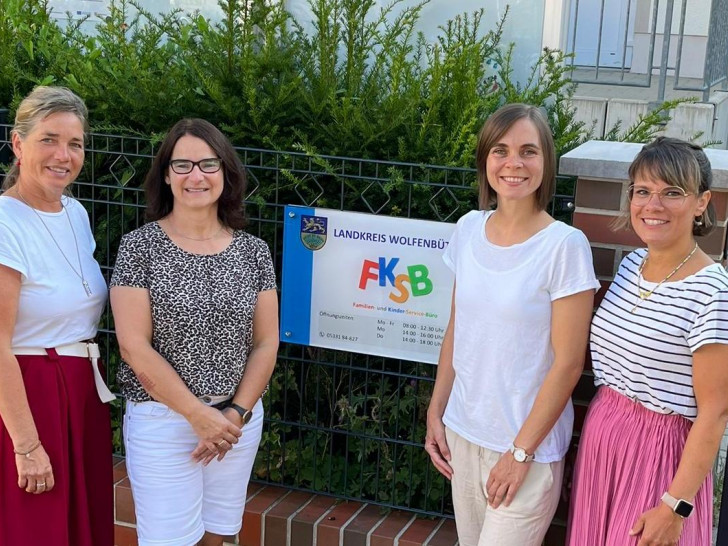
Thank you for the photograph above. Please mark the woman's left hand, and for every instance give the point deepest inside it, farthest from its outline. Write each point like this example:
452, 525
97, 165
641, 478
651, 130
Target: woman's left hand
202, 454
659, 527
505, 480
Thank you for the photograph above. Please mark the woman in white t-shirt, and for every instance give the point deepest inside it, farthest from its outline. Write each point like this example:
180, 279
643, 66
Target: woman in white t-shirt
55, 430
500, 419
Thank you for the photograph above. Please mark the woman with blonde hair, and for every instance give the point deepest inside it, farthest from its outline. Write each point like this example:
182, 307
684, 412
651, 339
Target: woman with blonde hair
55, 433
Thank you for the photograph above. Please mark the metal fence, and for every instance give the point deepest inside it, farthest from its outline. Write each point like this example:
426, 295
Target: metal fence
622, 42
337, 423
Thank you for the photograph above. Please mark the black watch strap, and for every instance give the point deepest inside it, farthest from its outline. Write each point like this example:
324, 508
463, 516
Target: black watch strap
245, 414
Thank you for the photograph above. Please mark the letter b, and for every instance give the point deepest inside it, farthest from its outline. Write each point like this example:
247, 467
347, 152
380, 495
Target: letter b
420, 284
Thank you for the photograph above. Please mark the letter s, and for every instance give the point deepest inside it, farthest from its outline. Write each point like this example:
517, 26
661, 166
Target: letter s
399, 285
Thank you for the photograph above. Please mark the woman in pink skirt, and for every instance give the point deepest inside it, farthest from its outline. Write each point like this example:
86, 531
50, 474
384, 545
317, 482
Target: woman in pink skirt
659, 345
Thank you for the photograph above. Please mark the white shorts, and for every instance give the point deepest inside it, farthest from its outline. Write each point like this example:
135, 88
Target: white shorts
177, 500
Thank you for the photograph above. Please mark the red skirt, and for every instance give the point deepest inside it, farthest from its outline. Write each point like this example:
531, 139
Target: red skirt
75, 429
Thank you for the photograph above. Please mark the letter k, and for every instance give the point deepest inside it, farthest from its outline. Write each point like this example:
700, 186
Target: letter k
386, 271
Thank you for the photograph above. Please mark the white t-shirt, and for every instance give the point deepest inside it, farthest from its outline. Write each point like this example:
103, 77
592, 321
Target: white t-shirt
647, 354
502, 345
53, 308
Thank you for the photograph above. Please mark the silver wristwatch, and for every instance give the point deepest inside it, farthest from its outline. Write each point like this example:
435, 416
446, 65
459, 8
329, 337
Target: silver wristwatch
520, 455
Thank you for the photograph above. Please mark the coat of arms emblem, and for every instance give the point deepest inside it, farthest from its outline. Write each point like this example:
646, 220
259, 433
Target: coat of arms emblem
313, 231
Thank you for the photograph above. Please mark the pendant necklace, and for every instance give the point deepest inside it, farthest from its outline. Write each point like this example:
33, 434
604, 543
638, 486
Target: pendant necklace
645, 294
84, 282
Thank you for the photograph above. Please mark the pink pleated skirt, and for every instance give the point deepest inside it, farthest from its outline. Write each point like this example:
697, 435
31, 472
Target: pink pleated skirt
627, 458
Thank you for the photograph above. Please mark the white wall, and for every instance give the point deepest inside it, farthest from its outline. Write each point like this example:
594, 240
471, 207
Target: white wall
692, 60
555, 24
697, 18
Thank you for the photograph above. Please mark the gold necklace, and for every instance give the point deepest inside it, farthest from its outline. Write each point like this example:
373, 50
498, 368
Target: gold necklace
645, 294
80, 275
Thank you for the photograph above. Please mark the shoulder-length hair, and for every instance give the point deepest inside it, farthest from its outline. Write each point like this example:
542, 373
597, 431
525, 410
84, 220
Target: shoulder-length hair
160, 201
677, 163
494, 128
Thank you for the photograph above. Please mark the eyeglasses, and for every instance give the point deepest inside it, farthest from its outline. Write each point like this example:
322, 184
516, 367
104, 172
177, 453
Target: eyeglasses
185, 166
671, 196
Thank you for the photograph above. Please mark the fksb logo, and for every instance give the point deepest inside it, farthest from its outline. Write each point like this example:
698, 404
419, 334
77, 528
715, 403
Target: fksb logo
417, 277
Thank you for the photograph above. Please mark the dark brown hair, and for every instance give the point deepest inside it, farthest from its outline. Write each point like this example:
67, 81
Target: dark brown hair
230, 208
494, 128
677, 163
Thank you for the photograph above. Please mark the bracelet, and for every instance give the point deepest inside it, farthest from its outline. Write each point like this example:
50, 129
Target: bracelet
26, 454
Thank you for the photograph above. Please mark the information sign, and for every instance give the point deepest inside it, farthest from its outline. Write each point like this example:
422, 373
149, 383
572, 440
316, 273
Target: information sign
365, 283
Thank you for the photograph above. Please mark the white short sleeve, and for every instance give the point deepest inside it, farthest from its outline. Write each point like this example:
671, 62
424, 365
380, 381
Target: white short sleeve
572, 270
711, 324
11, 253
451, 252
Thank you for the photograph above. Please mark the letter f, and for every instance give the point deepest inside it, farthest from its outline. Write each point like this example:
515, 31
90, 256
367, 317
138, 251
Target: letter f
367, 274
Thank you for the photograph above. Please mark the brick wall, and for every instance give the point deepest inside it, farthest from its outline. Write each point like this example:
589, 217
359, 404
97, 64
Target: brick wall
276, 516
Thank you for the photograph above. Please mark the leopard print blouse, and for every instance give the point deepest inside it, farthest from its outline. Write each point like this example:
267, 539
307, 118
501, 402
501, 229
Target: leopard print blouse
202, 306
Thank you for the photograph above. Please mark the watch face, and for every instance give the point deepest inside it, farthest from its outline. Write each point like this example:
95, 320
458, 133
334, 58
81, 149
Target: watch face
683, 508
519, 455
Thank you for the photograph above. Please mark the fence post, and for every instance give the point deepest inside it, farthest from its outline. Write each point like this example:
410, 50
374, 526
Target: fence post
5, 150
665, 51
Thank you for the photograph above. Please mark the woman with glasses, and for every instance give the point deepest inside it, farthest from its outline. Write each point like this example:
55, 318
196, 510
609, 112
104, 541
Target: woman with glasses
659, 346
195, 307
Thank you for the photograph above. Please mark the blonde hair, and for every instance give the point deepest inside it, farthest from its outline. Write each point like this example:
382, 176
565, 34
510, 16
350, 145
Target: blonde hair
42, 102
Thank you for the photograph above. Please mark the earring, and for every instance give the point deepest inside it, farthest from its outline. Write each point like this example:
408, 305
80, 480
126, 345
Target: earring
17, 163
698, 222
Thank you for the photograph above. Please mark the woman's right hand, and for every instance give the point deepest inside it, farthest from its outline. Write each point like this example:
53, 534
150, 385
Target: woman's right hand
34, 471
213, 428
436, 446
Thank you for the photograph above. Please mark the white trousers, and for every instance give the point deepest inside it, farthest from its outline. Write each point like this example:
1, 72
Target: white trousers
524, 522
176, 499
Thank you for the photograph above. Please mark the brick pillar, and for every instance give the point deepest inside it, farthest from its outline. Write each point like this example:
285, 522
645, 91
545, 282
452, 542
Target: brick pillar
601, 168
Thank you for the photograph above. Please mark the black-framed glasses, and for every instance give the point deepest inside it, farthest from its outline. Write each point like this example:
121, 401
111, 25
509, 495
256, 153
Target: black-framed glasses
185, 166
671, 196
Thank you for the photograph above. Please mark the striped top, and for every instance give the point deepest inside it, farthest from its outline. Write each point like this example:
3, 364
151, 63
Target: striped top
647, 354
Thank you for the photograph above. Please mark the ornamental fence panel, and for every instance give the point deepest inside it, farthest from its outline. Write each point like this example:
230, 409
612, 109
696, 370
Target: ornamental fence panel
337, 423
